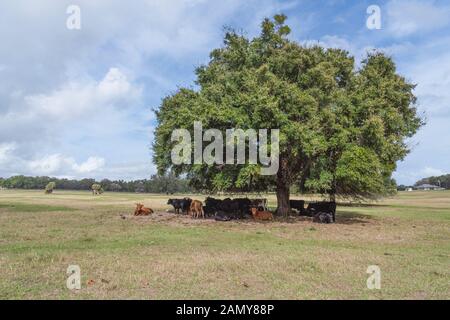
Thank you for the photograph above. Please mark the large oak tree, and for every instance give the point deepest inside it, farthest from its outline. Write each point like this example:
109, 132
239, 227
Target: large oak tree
342, 128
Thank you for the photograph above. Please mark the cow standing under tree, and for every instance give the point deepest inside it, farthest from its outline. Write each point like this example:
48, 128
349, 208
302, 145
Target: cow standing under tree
196, 209
182, 205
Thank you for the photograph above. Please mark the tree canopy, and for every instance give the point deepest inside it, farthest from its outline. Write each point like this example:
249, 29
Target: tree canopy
50, 187
342, 128
97, 188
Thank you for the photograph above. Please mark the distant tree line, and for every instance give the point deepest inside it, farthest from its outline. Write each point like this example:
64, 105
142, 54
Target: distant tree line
442, 181
156, 184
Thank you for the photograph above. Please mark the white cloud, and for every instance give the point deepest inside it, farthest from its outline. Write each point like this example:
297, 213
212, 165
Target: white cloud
62, 166
409, 17
429, 171
54, 164
6, 150
433, 82
48, 165
92, 164
411, 177
115, 84
332, 41
57, 164
80, 107
90, 91
355, 49
83, 98
79, 111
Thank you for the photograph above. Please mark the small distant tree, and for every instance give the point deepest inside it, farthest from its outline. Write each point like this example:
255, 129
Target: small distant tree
50, 187
97, 189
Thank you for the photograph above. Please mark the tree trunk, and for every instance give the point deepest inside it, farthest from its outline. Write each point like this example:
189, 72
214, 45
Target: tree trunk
283, 185
283, 208
332, 197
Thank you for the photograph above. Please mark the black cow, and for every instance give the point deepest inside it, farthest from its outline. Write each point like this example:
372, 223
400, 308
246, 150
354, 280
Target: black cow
298, 205
209, 211
244, 205
180, 204
212, 206
324, 207
212, 203
323, 217
231, 208
228, 207
227, 216
222, 216
237, 207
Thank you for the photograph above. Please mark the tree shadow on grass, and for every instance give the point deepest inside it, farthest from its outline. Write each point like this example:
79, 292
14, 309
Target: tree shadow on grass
342, 217
362, 205
348, 217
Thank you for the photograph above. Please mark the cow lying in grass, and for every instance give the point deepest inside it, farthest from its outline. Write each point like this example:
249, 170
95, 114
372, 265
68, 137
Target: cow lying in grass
323, 217
196, 209
261, 215
322, 207
142, 211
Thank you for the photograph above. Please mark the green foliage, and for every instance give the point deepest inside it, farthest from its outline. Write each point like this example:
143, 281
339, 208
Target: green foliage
97, 188
156, 184
324, 106
50, 187
22, 182
167, 184
358, 173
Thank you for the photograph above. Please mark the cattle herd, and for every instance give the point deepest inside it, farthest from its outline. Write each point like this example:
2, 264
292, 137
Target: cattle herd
244, 208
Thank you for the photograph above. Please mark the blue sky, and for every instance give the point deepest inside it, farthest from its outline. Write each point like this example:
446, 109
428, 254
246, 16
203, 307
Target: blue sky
78, 103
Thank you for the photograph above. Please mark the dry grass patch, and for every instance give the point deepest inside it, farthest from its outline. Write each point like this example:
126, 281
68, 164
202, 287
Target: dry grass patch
166, 256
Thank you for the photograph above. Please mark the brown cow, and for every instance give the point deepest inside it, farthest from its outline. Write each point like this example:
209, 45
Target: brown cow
261, 215
196, 209
142, 211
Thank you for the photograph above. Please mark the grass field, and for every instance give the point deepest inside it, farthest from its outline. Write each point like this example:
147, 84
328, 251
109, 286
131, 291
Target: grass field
173, 257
